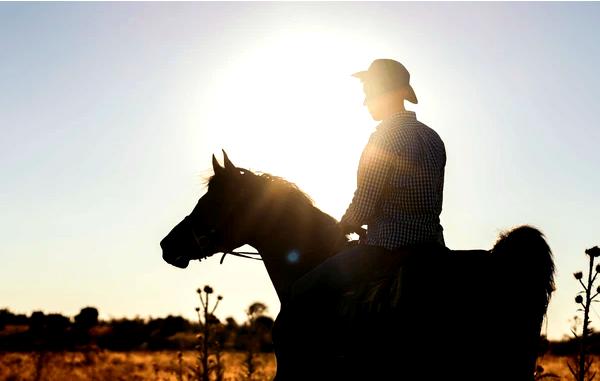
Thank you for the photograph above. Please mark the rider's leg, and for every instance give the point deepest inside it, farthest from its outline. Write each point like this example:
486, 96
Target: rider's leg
310, 317
343, 270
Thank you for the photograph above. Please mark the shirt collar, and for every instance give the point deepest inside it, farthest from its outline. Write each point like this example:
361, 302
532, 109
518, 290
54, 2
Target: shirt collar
397, 119
403, 114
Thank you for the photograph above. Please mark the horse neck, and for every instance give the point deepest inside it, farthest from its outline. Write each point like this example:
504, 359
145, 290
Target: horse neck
292, 246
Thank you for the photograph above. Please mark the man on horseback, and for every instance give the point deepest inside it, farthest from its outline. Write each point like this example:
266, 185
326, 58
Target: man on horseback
400, 182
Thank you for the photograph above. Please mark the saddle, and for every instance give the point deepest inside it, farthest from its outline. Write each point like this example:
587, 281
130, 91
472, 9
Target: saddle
384, 292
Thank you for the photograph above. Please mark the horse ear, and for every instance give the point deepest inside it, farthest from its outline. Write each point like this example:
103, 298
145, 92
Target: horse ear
216, 166
228, 164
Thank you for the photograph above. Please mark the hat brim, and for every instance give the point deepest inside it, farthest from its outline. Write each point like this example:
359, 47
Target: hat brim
362, 75
411, 96
410, 93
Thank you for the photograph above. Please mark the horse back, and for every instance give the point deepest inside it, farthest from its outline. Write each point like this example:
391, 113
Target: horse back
477, 311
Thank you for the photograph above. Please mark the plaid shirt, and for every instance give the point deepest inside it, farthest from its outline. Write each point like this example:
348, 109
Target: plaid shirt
400, 183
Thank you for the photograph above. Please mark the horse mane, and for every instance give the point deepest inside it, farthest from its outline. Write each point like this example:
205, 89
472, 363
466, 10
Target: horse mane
291, 190
293, 196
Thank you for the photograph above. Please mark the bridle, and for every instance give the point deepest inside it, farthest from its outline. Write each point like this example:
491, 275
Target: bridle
202, 240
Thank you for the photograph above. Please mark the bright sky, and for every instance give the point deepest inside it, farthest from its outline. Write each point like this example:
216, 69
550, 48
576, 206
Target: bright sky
110, 112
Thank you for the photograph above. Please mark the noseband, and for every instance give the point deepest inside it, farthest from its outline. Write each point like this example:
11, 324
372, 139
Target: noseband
203, 240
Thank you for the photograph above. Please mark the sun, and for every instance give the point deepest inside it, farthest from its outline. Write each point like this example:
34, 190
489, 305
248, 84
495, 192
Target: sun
290, 107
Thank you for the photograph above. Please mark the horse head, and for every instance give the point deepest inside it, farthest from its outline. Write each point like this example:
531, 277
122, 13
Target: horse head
264, 211
216, 224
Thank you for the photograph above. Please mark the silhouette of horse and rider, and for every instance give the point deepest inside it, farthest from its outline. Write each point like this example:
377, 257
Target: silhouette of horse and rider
398, 305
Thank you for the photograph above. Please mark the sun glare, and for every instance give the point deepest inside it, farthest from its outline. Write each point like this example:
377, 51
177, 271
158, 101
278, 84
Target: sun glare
290, 107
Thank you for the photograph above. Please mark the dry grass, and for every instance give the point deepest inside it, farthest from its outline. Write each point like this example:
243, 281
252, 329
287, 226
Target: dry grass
558, 366
157, 366
117, 366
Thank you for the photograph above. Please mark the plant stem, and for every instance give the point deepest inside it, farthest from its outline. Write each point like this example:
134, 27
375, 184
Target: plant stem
205, 344
586, 321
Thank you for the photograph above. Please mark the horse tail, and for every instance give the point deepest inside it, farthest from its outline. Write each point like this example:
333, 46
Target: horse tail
525, 268
525, 253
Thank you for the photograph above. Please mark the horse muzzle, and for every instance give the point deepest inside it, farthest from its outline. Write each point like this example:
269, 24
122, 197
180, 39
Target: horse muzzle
173, 255
180, 256
178, 261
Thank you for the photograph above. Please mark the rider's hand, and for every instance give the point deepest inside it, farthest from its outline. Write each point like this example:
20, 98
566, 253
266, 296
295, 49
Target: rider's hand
362, 234
351, 228
346, 227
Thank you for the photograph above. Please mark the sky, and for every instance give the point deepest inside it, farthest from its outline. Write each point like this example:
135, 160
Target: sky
110, 113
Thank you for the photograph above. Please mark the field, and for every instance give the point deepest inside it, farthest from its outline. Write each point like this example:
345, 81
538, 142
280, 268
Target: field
124, 366
156, 366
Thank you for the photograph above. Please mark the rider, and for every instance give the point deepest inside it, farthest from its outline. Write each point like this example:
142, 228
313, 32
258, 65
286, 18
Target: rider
399, 190
400, 182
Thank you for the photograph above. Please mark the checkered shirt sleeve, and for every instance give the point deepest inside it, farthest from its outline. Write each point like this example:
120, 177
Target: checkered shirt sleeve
400, 182
373, 170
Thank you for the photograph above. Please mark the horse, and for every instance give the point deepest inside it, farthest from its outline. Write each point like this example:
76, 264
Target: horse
471, 314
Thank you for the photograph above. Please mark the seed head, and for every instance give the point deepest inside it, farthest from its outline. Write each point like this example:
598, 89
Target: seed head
593, 252
578, 275
208, 289
579, 299
221, 298
197, 309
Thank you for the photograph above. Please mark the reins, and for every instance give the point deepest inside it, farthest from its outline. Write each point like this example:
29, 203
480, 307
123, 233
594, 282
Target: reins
242, 254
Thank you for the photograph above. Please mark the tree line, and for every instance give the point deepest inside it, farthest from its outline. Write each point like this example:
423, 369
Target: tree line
56, 332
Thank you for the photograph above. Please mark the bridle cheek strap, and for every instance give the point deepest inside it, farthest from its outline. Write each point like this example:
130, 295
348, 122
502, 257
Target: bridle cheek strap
202, 240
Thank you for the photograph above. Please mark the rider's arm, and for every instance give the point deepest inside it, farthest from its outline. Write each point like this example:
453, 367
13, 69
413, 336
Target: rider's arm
373, 169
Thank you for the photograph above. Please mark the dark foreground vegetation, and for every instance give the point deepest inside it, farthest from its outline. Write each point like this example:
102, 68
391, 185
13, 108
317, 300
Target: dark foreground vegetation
55, 332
